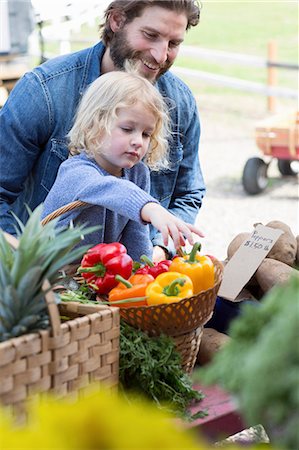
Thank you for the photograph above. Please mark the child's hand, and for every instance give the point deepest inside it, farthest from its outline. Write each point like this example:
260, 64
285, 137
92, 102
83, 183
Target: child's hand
169, 225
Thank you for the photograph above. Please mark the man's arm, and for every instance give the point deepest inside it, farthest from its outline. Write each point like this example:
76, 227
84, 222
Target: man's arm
23, 126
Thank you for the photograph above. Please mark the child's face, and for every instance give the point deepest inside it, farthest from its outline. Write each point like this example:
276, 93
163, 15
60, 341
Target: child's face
128, 141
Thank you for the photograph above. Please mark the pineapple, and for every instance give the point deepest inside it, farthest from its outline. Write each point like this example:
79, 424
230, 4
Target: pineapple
41, 253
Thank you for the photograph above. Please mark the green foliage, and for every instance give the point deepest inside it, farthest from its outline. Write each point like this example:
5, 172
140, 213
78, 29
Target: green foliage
152, 367
260, 365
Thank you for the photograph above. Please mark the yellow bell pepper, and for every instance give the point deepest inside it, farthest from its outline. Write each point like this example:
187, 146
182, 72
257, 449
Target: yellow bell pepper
169, 287
199, 268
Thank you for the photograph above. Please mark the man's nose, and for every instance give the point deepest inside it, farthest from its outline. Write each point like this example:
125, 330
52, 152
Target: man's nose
160, 52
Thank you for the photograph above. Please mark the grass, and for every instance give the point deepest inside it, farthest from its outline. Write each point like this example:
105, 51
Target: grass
246, 27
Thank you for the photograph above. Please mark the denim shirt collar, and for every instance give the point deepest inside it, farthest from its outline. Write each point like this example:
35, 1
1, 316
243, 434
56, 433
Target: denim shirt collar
92, 69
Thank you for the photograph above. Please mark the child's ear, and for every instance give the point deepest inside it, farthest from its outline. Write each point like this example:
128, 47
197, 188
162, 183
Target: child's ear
116, 21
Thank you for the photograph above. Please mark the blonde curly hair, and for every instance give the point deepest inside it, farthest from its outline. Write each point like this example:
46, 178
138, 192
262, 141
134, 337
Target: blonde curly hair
99, 106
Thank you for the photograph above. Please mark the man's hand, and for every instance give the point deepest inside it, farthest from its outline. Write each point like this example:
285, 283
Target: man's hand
169, 225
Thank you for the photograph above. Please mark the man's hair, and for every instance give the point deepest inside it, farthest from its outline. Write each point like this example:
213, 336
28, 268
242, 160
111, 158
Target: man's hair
130, 9
99, 106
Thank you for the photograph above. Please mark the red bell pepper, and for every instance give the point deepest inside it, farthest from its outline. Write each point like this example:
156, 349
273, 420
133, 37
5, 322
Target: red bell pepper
153, 269
102, 263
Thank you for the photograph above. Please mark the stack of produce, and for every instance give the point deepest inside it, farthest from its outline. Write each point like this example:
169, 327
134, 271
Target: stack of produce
109, 270
175, 298
281, 262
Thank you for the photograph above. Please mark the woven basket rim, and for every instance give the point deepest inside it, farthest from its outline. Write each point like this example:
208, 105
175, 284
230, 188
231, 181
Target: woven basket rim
167, 305
175, 318
15, 341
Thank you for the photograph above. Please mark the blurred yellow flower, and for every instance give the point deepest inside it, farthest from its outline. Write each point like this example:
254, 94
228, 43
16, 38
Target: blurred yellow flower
97, 420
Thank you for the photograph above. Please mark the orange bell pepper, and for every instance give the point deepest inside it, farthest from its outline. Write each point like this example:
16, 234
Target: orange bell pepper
199, 268
132, 289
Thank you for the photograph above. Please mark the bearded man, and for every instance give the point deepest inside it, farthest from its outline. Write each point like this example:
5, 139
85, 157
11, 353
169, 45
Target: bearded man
40, 110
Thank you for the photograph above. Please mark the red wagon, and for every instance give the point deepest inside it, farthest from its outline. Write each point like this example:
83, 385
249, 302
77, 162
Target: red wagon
277, 138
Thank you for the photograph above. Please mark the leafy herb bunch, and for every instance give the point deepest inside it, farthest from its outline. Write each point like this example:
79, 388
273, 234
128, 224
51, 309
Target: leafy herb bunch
151, 366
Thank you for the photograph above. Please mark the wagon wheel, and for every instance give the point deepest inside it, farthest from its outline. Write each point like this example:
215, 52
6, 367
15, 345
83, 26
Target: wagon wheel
285, 167
254, 177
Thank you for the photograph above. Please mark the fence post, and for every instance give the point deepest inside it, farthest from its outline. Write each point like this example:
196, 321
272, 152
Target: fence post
272, 75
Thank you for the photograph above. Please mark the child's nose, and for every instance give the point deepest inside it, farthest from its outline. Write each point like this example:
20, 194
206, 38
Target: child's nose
137, 140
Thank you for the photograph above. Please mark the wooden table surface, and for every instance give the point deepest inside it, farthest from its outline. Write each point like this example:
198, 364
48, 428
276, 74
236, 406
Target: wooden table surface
223, 418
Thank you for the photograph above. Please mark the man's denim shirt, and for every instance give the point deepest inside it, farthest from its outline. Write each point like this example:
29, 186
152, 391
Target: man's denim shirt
38, 115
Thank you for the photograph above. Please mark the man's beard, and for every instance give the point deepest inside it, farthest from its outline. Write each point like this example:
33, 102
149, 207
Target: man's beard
120, 51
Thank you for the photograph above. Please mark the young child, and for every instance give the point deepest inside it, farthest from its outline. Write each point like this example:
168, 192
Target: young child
121, 121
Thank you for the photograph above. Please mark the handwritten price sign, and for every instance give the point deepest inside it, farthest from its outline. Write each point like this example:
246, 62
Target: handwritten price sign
246, 260
260, 242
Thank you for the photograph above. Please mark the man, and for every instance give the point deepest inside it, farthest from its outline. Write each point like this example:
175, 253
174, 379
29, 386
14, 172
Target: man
39, 112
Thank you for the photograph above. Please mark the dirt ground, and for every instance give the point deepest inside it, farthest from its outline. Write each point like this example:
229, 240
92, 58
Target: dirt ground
227, 142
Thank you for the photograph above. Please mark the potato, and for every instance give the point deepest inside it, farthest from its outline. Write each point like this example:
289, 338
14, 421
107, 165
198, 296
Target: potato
245, 294
280, 225
211, 341
285, 248
236, 243
272, 272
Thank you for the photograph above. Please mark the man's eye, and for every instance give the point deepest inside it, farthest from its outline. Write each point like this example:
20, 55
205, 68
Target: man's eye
149, 35
174, 44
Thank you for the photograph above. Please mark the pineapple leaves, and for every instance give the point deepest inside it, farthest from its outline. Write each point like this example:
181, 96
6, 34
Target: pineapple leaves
6, 252
42, 252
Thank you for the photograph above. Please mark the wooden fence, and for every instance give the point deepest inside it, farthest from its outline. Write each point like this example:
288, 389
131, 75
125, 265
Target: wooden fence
271, 65
271, 89
60, 26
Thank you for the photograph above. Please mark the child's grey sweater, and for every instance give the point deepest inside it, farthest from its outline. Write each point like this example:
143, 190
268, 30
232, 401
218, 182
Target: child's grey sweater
115, 202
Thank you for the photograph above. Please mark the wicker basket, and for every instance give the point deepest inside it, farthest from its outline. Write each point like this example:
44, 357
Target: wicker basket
64, 358
183, 321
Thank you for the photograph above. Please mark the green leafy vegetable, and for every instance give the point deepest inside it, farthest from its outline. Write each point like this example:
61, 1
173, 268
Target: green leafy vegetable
152, 367
260, 365
82, 294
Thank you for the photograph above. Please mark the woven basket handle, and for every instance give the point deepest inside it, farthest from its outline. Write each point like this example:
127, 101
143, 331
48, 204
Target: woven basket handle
53, 311
64, 209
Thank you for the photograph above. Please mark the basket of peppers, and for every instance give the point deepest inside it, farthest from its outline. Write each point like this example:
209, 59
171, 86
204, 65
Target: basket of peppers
173, 297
